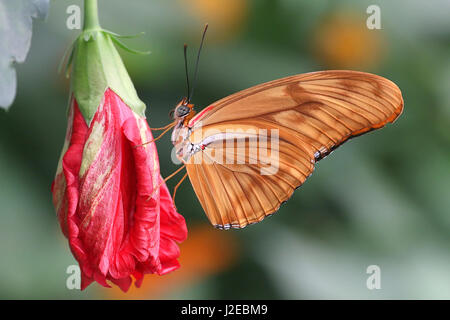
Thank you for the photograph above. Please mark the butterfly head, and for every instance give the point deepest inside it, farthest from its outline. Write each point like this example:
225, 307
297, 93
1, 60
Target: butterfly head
183, 110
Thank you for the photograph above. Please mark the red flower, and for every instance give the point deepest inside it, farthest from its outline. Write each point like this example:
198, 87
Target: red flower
100, 194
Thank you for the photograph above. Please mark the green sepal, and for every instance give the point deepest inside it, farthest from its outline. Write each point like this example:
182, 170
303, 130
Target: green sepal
66, 61
97, 66
124, 36
126, 48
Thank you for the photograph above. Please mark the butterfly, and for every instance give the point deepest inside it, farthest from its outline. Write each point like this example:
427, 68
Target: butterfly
309, 115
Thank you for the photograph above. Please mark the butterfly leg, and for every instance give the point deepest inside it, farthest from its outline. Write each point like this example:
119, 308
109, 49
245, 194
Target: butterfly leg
159, 137
176, 187
162, 128
165, 180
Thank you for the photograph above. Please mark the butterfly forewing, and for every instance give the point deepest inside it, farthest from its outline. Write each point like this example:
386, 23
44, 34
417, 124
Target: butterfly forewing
312, 114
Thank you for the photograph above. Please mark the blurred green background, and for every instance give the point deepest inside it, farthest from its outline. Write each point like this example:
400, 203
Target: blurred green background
382, 199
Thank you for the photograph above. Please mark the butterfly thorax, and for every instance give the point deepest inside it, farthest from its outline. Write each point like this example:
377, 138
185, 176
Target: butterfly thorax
183, 113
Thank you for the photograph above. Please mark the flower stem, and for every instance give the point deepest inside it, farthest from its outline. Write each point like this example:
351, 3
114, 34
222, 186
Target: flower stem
90, 15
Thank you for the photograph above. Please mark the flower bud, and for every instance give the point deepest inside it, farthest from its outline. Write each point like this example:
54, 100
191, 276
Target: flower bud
105, 175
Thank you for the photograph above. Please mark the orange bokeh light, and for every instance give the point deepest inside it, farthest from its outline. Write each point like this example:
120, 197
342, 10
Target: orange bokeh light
343, 40
224, 16
206, 251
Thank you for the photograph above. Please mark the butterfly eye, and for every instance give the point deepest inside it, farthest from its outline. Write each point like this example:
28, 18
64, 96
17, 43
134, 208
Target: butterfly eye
181, 111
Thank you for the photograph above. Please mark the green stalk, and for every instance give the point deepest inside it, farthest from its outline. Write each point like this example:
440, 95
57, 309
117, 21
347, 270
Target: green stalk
91, 21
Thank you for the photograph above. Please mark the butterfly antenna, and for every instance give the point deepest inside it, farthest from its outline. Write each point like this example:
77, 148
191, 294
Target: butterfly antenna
187, 73
198, 58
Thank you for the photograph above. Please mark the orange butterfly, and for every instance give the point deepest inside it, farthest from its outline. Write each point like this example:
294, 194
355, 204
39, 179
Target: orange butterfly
309, 115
